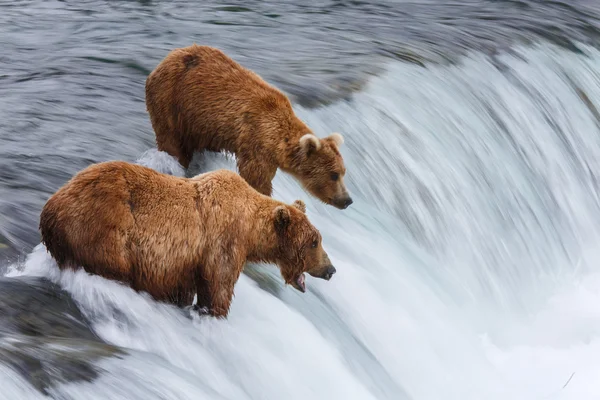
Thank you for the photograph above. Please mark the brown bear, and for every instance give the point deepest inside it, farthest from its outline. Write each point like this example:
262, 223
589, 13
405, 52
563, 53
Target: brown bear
200, 99
173, 237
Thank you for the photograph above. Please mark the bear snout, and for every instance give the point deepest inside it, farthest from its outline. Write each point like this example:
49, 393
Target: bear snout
328, 273
342, 202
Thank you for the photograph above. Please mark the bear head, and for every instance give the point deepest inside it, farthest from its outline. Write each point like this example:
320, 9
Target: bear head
319, 167
299, 248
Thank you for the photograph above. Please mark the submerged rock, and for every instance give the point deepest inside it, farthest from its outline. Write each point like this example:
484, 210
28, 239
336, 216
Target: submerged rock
43, 335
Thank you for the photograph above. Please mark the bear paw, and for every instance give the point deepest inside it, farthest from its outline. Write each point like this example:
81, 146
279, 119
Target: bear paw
201, 310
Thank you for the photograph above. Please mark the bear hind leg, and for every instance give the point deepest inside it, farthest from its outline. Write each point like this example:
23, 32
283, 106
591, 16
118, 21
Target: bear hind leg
203, 301
182, 298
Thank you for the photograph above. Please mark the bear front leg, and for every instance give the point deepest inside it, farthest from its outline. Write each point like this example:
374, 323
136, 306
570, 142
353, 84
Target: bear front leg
257, 174
184, 157
223, 276
222, 297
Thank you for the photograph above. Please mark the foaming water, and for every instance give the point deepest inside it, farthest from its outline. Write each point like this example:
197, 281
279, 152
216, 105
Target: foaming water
467, 265
161, 161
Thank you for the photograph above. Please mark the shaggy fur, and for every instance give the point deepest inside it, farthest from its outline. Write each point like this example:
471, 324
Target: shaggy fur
200, 99
173, 237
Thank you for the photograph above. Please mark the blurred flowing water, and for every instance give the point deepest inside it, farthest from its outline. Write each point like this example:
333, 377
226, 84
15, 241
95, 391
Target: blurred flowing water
467, 266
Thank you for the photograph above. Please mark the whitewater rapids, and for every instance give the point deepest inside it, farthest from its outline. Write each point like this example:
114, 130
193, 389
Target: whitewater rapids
467, 265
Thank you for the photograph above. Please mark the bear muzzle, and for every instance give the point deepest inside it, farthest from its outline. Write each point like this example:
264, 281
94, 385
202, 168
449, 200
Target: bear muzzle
326, 274
342, 202
300, 282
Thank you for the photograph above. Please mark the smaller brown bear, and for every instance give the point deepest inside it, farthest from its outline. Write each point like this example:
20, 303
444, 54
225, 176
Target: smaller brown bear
199, 99
173, 237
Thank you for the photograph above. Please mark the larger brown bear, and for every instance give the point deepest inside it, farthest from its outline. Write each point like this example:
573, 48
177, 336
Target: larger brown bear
173, 237
200, 99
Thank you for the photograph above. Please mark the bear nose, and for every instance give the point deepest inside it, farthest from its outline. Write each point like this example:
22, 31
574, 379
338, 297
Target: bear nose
342, 202
329, 272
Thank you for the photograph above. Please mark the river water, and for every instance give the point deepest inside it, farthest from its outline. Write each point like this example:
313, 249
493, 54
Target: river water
468, 265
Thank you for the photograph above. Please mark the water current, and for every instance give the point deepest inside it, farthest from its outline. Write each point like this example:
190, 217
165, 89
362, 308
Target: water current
468, 265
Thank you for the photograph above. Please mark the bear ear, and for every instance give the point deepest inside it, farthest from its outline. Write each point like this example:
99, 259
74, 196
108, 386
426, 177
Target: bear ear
337, 138
282, 218
299, 204
310, 143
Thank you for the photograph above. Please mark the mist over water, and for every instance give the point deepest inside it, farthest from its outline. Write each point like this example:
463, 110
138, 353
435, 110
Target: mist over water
467, 265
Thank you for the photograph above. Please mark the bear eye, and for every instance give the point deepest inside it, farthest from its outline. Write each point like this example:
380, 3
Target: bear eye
314, 244
335, 176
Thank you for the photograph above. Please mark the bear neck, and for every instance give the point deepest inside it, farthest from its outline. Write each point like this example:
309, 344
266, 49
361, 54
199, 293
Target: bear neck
264, 243
291, 154
293, 159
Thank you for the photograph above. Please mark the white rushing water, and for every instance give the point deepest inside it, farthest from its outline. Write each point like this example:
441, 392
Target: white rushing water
467, 265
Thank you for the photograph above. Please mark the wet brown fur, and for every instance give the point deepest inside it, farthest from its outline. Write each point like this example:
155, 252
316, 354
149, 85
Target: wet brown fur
173, 237
200, 99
